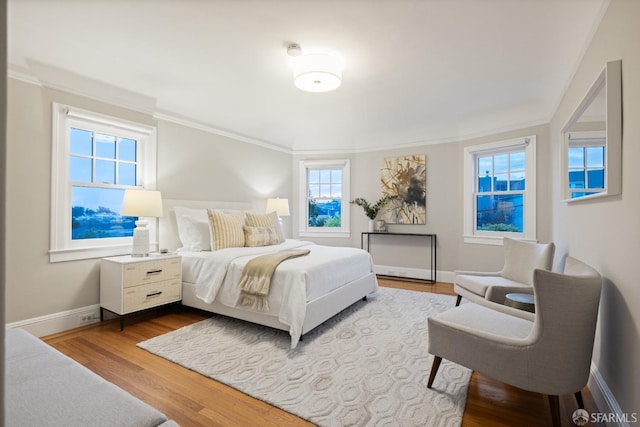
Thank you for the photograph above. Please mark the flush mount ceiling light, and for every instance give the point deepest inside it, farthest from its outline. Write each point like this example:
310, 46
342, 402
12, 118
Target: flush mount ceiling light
317, 71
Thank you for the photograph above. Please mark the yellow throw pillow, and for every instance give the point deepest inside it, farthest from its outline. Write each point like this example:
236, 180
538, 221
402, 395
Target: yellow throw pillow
266, 220
227, 229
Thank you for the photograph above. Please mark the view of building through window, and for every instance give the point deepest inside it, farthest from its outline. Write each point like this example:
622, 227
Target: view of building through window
586, 170
500, 192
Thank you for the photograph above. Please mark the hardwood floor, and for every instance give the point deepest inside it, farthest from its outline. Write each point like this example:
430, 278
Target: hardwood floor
193, 400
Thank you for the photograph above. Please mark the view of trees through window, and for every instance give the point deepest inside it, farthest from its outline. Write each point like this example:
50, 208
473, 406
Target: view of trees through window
96, 214
100, 167
324, 197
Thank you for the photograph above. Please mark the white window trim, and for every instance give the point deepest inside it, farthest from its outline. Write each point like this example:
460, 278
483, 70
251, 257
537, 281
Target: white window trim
344, 230
495, 238
61, 246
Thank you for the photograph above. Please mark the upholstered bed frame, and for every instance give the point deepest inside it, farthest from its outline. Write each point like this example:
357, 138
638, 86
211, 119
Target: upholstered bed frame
317, 311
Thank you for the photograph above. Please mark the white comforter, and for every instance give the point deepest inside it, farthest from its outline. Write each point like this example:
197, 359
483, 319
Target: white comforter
295, 282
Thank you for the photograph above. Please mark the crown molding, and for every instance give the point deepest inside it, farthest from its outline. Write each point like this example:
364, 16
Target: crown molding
136, 106
140, 107
210, 129
96, 92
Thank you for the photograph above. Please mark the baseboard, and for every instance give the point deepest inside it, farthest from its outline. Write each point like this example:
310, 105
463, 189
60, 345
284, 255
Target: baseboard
610, 412
59, 322
413, 273
66, 320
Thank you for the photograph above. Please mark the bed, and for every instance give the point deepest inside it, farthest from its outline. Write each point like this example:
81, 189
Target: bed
305, 291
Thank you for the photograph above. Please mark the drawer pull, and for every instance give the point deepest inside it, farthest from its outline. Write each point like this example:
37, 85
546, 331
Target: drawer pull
154, 272
154, 294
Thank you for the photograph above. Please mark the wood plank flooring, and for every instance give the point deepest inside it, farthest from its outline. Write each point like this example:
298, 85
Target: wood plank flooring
194, 400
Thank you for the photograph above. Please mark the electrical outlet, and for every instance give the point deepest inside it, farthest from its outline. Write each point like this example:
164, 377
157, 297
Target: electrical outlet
84, 319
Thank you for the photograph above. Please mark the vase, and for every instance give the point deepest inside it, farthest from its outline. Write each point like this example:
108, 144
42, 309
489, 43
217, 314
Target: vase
371, 225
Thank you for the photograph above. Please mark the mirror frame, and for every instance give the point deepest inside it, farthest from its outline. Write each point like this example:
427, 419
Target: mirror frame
611, 79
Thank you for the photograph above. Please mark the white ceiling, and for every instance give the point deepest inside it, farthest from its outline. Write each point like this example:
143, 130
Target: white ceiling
416, 71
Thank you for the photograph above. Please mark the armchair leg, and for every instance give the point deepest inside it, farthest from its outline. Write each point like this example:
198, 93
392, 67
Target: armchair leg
458, 300
578, 395
554, 406
434, 370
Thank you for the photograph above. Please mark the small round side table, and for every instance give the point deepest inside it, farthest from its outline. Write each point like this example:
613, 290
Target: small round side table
521, 301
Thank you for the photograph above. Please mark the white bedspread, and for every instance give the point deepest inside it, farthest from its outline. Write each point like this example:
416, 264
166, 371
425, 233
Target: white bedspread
295, 282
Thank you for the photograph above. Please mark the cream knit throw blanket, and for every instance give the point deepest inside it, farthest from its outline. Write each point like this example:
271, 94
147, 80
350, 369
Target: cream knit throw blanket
256, 278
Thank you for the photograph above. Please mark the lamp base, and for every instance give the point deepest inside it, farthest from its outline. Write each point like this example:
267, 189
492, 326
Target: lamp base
140, 246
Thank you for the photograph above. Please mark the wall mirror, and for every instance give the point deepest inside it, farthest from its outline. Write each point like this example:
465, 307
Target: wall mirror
592, 149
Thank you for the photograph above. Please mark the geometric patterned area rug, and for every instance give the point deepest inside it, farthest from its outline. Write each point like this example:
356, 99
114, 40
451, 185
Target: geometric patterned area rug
367, 366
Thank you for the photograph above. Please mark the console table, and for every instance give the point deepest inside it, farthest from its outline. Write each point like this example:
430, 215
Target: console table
432, 243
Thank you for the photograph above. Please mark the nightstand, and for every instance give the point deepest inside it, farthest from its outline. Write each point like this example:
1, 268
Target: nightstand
132, 284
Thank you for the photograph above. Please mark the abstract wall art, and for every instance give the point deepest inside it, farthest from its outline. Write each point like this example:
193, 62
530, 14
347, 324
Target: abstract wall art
406, 178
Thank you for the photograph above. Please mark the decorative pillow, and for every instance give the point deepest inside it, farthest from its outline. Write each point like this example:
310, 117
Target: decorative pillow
212, 235
227, 229
259, 236
193, 228
266, 220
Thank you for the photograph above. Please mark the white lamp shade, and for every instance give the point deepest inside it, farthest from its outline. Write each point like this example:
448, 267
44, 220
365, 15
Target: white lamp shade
281, 206
144, 203
317, 72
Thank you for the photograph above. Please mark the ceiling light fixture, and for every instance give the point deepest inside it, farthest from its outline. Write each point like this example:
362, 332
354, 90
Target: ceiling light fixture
317, 71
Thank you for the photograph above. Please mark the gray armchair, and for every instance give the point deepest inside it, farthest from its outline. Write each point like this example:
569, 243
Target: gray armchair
548, 352
520, 260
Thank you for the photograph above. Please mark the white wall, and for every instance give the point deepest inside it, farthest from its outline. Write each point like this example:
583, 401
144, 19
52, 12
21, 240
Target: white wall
198, 165
192, 164
606, 233
483, 257
34, 286
444, 204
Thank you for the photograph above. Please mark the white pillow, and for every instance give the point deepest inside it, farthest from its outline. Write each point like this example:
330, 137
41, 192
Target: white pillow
193, 229
198, 234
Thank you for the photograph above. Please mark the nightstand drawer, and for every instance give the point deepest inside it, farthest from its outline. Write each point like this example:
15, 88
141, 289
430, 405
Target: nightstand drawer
151, 295
157, 270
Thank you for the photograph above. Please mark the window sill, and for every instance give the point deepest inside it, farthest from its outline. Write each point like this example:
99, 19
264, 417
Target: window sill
340, 234
586, 198
73, 254
493, 240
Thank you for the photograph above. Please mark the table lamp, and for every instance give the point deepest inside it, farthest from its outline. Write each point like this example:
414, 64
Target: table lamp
142, 204
281, 206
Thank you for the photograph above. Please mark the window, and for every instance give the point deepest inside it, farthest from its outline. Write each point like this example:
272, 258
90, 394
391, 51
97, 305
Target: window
95, 158
586, 163
499, 196
324, 198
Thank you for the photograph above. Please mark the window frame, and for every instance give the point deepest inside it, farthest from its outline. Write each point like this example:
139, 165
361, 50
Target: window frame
344, 229
64, 117
471, 153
